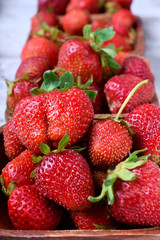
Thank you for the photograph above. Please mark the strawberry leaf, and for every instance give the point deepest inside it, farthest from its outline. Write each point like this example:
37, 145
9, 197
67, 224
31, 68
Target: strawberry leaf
62, 144
91, 94
66, 81
110, 50
113, 64
87, 30
45, 149
37, 91
101, 35
36, 159
51, 81
85, 85
77, 148
33, 173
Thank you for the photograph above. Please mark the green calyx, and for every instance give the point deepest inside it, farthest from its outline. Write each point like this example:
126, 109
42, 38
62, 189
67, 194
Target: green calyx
121, 171
11, 187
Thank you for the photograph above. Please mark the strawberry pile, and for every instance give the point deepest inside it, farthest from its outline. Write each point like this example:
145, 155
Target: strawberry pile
64, 167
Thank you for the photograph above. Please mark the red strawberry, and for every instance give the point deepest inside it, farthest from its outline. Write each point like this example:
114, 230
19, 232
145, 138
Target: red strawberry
109, 143
119, 42
12, 144
145, 122
120, 28
118, 88
19, 90
29, 210
34, 66
124, 16
74, 21
91, 6
135, 65
49, 18
19, 170
54, 5
136, 202
123, 3
40, 47
65, 178
95, 217
79, 58
98, 23
69, 112
30, 122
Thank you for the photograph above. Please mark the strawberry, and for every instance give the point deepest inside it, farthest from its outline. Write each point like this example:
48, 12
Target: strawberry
65, 168
29, 210
120, 28
109, 143
40, 47
19, 170
98, 23
91, 6
93, 218
49, 18
124, 16
98, 178
53, 5
133, 190
34, 67
30, 122
74, 21
119, 87
112, 6
123, 3
145, 122
12, 144
18, 90
135, 65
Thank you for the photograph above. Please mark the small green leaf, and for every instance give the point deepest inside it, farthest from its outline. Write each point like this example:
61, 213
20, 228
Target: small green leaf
11, 187
95, 46
36, 159
62, 144
91, 94
85, 85
45, 149
77, 148
87, 29
102, 35
37, 91
110, 181
51, 81
110, 50
110, 195
97, 226
66, 81
113, 64
126, 175
33, 173
133, 157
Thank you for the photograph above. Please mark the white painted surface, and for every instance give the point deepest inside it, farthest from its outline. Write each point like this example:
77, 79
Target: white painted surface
15, 18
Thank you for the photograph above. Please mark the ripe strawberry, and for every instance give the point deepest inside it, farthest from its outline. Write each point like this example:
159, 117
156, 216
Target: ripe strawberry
123, 3
40, 47
29, 210
12, 144
57, 7
145, 122
109, 143
49, 18
30, 122
135, 65
19, 170
121, 56
93, 218
74, 21
74, 104
34, 67
18, 90
79, 58
98, 23
67, 168
120, 28
91, 6
119, 42
124, 16
118, 88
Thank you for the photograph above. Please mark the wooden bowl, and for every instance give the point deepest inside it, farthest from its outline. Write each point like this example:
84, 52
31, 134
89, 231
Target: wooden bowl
7, 231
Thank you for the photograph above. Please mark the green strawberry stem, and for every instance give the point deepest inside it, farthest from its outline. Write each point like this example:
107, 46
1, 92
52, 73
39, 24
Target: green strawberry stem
129, 97
11, 187
121, 171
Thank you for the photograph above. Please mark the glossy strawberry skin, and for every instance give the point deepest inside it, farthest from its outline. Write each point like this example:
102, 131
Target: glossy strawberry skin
145, 122
79, 58
56, 6
65, 178
35, 66
97, 214
118, 88
30, 122
91, 6
19, 170
12, 144
49, 18
124, 16
109, 143
69, 112
29, 210
20, 90
137, 66
74, 21
40, 47
137, 202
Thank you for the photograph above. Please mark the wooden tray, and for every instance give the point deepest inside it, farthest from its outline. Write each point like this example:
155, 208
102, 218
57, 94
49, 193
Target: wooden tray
7, 231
